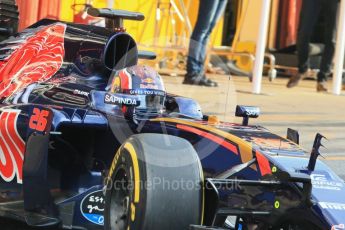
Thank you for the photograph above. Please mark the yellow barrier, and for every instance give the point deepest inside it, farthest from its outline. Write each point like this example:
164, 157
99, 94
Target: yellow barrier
144, 32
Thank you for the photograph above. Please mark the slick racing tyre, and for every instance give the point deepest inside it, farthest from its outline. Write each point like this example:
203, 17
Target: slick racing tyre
155, 182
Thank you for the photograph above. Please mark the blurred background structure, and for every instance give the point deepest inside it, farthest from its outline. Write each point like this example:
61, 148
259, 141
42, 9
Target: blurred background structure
169, 23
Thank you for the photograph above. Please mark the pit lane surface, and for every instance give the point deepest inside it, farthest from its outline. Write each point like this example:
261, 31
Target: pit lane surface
300, 108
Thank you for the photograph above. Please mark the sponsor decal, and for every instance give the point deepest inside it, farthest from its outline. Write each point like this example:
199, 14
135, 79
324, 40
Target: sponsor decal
322, 181
332, 206
79, 92
338, 226
12, 147
148, 83
255, 112
146, 92
92, 207
117, 99
247, 111
148, 86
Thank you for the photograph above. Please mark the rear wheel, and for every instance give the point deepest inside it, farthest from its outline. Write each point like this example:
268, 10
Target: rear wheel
155, 183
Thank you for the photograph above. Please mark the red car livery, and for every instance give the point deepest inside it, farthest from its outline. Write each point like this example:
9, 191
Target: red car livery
37, 59
12, 147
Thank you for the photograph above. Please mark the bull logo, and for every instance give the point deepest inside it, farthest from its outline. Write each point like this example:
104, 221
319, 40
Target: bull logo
12, 147
147, 80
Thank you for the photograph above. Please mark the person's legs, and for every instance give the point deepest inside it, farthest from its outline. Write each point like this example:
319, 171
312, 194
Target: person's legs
308, 18
330, 8
309, 15
218, 14
207, 10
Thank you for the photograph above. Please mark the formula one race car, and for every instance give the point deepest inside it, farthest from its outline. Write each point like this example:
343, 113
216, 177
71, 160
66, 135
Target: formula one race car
90, 140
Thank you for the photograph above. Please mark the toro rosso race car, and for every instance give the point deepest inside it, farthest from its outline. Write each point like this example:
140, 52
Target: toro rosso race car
90, 140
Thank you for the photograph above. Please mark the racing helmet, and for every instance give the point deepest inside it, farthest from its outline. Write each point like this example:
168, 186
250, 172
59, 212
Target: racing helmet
145, 85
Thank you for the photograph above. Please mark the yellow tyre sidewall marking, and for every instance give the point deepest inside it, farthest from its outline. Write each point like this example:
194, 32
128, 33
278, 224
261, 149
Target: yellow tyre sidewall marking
132, 212
113, 165
129, 147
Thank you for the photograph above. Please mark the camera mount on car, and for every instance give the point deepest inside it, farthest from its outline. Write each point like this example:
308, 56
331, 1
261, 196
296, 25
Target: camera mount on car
114, 18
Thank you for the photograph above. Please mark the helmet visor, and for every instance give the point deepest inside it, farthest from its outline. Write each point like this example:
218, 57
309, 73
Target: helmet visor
151, 102
149, 99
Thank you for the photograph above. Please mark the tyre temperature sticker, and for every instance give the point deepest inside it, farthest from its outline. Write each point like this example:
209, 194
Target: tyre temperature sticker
92, 207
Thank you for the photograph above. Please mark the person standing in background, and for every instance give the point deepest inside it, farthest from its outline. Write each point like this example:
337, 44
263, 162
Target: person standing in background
209, 13
310, 13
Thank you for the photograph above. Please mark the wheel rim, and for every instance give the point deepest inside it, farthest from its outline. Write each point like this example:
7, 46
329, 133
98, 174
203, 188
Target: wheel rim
120, 199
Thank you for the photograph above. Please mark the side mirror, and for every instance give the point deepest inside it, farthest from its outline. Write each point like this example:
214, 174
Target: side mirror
147, 55
247, 112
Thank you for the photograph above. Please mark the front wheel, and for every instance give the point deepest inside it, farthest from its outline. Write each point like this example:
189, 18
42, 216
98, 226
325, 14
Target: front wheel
155, 182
